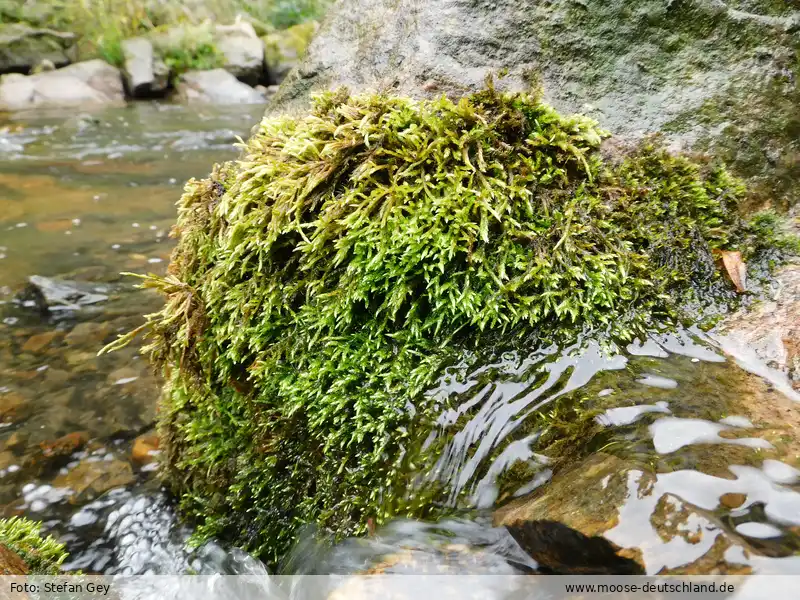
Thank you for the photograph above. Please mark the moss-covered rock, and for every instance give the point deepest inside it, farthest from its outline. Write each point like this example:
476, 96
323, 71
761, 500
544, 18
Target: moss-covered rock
322, 282
719, 76
23, 47
25, 552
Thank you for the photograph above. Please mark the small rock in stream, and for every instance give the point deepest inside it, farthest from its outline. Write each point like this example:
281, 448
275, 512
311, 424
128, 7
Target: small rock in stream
88, 480
47, 295
12, 406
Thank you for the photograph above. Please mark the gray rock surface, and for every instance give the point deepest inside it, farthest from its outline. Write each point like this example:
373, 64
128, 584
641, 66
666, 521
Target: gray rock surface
23, 47
146, 75
243, 51
87, 83
217, 86
690, 69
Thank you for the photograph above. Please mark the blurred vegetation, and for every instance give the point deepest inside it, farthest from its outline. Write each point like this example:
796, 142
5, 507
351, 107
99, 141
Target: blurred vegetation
102, 25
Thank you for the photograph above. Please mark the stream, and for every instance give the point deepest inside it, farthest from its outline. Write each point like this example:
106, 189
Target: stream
680, 448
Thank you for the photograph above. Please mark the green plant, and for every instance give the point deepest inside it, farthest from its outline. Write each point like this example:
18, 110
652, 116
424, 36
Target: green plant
43, 556
323, 281
102, 25
197, 57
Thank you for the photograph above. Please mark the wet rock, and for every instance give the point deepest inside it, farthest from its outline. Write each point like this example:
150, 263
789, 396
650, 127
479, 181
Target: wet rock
48, 294
16, 441
145, 449
123, 376
284, 49
82, 84
7, 459
146, 75
217, 86
560, 550
56, 378
771, 328
81, 361
243, 51
676, 522
88, 480
11, 563
22, 47
64, 446
569, 498
90, 334
40, 341
13, 406
732, 500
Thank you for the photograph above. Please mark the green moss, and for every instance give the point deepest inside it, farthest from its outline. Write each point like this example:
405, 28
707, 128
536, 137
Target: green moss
188, 48
323, 281
288, 45
43, 556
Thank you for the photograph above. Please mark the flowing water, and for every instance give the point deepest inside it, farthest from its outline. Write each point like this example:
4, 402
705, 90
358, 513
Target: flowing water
682, 450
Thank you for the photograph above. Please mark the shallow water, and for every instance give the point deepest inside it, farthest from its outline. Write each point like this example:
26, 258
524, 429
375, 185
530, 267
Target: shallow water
701, 455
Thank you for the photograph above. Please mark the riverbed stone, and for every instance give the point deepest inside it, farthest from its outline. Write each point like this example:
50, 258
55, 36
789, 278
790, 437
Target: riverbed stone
145, 449
674, 522
89, 334
90, 83
13, 406
100, 76
23, 47
38, 342
243, 51
216, 86
771, 328
88, 480
64, 446
146, 75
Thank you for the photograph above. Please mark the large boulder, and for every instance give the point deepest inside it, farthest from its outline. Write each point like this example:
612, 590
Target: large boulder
18, 92
242, 51
146, 75
23, 47
90, 83
216, 86
691, 69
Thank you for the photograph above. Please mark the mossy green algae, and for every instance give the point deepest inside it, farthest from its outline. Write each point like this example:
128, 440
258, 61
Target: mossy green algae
321, 283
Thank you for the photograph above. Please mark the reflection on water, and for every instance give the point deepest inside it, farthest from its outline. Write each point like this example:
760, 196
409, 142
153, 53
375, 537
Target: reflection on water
682, 457
86, 197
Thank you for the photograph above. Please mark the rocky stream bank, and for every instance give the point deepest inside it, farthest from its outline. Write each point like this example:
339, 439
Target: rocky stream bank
206, 63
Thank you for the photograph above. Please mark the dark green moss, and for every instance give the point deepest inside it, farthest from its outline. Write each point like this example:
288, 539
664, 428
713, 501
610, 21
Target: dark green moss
323, 281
